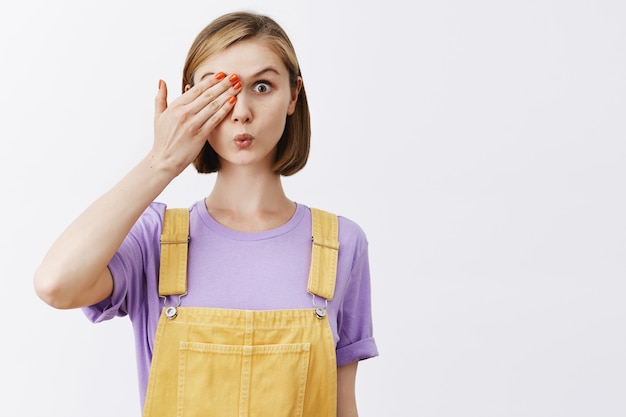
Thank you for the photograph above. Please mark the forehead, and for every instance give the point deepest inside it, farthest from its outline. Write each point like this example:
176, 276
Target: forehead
245, 58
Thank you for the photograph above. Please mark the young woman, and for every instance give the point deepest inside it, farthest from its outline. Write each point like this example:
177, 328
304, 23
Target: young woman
247, 303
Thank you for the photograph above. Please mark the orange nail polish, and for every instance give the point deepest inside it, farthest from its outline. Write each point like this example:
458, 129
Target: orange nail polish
220, 75
232, 99
234, 78
237, 85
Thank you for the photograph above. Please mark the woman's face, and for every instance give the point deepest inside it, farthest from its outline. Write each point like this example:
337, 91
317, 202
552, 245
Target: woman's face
249, 134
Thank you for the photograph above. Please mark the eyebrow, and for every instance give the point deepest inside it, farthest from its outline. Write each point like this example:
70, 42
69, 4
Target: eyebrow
255, 75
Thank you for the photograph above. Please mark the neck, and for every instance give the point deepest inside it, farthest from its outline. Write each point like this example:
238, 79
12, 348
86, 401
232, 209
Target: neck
249, 200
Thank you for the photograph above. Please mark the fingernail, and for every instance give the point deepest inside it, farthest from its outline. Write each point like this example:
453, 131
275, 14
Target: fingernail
220, 75
237, 85
233, 78
232, 99
160, 84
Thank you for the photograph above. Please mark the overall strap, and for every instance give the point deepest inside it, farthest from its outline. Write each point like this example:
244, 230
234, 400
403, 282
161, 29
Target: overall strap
325, 251
174, 245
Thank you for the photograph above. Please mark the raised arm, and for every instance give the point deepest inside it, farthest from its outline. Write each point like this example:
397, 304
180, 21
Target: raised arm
74, 272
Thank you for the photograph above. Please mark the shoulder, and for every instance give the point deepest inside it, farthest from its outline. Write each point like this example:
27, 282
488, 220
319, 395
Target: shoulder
149, 225
352, 237
351, 234
349, 229
151, 219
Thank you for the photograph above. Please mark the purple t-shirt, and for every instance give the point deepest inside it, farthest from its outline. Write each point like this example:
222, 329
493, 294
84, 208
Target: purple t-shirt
266, 270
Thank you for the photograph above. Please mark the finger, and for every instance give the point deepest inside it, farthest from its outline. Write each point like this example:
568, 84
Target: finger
219, 106
204, 85
212, 117
213, 98
160, 101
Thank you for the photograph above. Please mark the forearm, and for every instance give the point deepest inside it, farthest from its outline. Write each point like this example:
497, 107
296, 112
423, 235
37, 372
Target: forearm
346, 397
69, 273
74, 271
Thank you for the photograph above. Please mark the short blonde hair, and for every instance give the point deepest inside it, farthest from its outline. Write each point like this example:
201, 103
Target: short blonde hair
294, 144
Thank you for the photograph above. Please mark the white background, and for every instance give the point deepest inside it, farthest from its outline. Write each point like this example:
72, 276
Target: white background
480, 144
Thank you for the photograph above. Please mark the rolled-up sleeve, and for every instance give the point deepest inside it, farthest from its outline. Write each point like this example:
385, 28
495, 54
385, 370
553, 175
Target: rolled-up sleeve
355, 327
134, 259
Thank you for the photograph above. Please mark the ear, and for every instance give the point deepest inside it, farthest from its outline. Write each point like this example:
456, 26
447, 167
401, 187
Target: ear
294, 97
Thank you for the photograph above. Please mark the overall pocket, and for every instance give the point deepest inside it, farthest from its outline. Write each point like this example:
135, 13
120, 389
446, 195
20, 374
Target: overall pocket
233, 380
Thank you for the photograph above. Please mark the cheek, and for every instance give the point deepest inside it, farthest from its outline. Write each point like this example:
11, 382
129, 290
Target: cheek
286, 106
215, 136
277, 113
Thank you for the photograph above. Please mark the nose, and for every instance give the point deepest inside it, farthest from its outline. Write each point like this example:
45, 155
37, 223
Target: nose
242, 113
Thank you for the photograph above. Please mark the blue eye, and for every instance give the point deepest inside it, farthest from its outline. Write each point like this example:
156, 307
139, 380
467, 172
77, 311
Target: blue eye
262, 87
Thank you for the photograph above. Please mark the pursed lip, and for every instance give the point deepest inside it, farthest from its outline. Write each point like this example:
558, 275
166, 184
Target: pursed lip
243, 141
243, 137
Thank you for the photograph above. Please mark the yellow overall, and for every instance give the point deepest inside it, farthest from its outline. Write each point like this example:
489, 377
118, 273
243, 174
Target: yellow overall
223, 362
